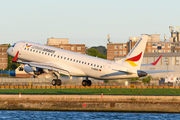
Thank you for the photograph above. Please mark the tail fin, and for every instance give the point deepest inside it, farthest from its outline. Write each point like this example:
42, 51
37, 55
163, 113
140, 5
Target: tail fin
134, 58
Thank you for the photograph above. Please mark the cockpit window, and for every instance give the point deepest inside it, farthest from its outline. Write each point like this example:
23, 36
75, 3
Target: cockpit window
13, 45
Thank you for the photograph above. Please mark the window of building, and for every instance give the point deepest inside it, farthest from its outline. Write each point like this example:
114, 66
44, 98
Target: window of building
154, 45
149, 50
78, 48
61, 47
120, 52
149, 43
124, 47
116, 47
116, 53
120, 47
72, 48
124, 52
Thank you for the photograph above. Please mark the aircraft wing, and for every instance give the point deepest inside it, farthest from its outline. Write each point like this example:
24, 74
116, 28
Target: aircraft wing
50, 66
154, 63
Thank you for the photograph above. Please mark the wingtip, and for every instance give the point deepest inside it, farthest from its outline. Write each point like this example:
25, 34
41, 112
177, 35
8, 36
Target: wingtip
15, 58
154, 63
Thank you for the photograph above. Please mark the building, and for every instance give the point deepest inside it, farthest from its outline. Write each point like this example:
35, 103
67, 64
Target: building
3, 57
63, 43
168, 61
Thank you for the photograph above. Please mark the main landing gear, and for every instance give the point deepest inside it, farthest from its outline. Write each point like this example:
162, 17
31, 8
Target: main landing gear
56, 82
86, 82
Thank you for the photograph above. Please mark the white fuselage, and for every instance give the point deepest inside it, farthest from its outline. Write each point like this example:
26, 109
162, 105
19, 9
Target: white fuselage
74, 63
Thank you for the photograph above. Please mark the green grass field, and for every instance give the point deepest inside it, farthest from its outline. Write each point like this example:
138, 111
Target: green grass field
105, 91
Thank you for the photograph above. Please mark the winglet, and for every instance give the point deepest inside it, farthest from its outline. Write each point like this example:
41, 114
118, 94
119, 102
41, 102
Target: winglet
154, 63
15, 58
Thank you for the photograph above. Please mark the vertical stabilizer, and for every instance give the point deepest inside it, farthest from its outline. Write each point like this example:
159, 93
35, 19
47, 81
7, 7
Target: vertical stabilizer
134, 58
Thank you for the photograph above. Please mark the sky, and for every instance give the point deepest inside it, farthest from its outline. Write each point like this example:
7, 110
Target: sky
86, 21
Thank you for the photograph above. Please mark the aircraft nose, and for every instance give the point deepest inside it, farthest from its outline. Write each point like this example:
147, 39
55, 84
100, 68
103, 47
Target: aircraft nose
9, 51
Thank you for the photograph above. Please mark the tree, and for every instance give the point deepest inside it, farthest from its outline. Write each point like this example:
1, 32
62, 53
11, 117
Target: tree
147, 79
101, 49
94, 52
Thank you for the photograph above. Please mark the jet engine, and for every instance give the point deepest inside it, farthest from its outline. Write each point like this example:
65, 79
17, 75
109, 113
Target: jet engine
38, 72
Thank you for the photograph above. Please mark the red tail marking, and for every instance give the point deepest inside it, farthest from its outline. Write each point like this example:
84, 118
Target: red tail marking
15, 58
154, 63
135, 58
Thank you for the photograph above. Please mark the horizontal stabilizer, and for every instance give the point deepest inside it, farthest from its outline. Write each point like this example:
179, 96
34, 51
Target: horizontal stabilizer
158, 71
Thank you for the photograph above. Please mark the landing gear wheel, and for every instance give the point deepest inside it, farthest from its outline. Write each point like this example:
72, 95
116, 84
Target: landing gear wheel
54, 82
88, 83
58, 82
84, 83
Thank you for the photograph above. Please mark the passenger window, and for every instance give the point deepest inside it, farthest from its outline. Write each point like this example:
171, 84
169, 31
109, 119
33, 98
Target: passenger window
97, 65
74, 60
39, 51
54, 55
85, 63
88, 63
82, 62
79, 61
24, 48
94, 65
101, 67
91, 64
58, 56
31, 50
61, 57
68, 59
64, 57
71, 60
45, 53
51, 54
28, 49
48, 54
42, 52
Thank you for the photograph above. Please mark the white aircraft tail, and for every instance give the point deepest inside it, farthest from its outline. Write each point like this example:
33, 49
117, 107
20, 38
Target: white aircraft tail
134, 58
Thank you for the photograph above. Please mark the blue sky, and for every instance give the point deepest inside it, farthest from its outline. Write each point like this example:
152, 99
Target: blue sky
86, 21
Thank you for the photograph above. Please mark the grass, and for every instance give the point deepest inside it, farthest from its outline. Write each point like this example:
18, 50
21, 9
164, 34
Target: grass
105, 91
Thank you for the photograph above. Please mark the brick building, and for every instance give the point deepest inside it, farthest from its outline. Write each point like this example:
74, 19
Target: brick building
63, 43
3, 56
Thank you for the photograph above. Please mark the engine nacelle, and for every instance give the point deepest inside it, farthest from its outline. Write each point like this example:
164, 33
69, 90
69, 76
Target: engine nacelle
39, 73
28, 70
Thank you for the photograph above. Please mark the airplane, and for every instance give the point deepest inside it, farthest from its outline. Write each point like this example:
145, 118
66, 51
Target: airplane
41, 59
